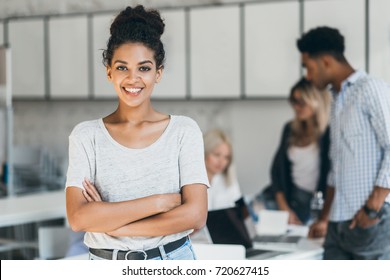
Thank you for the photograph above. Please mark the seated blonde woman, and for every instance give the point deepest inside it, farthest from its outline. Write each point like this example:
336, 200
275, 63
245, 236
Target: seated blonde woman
224, 190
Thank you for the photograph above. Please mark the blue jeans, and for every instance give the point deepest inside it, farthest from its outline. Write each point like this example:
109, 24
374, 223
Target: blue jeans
372, 243
184, 252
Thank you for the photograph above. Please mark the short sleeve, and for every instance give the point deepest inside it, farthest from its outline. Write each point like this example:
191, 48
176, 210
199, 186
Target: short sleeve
81, 162
191, 156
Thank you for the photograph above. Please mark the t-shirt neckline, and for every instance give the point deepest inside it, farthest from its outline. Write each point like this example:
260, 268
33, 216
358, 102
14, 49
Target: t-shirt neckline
116, 143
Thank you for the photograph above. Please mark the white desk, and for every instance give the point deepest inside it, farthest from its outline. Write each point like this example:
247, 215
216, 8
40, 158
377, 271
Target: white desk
306, 249
32, 208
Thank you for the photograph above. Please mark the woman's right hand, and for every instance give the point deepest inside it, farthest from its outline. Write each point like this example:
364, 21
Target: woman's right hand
283, 205
318, 229
90, 193
293, 218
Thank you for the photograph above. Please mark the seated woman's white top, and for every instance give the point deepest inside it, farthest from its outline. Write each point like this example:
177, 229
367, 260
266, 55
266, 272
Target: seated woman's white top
220, 195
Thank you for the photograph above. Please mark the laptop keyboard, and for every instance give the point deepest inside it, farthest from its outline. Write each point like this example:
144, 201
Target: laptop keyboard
255, 252
277, 238
262, 254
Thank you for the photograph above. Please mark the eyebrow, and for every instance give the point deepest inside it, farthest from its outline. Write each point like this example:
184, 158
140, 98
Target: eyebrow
140, 63
120, 61
145, 62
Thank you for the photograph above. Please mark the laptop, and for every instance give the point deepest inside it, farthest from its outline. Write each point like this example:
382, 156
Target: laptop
226, 226
271, 227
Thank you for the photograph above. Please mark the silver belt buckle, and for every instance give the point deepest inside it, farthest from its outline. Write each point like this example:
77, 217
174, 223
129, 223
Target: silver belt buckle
136, 251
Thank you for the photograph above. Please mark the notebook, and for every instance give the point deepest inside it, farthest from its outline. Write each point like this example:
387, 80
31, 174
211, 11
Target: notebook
226, 226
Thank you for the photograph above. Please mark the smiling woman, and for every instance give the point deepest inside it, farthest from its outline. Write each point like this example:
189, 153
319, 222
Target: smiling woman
136, 182
134, 73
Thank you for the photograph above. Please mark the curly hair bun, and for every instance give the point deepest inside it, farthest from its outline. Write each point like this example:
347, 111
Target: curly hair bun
137, 25
137, 19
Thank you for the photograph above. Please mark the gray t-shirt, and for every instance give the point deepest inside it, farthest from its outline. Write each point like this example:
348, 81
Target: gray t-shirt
119, 173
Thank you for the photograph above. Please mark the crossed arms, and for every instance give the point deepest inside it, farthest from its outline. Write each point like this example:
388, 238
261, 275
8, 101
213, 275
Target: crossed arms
154, 215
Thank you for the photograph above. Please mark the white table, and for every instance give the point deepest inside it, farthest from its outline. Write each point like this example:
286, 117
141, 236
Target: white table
32, 208
305, 249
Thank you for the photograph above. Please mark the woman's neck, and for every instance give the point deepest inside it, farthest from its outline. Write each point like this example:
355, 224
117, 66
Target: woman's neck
309, 126
133, 115
308, 133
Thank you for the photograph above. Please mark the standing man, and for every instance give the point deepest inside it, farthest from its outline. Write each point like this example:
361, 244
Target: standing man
356, 214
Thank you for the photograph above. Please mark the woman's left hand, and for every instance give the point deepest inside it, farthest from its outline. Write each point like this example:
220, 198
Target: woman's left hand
90, 193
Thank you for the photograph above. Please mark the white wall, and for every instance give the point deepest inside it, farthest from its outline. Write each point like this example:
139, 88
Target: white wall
42, 7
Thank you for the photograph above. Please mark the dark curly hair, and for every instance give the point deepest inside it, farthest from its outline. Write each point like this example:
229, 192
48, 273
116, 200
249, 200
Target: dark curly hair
136, 25
322, 40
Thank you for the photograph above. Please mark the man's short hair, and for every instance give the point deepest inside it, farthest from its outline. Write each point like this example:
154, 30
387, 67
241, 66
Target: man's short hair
322, 40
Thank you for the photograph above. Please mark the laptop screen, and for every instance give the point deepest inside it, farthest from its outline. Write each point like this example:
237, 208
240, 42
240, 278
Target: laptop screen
247, 217
226, 226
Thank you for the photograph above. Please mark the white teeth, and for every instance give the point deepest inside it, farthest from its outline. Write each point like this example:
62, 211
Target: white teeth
133, 90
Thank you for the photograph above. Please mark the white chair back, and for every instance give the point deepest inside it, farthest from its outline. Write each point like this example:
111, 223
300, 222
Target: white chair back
53, 242
219, 251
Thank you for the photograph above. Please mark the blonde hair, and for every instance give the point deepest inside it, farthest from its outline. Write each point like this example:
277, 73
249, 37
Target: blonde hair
319, 101
212, 139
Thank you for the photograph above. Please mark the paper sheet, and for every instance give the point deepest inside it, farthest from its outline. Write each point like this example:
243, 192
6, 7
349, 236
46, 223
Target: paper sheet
272, 222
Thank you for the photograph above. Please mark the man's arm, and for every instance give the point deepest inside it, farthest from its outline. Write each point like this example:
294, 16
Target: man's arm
378, 108
374, 202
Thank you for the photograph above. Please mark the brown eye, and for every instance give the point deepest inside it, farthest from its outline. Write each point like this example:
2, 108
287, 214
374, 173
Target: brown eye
144, 68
